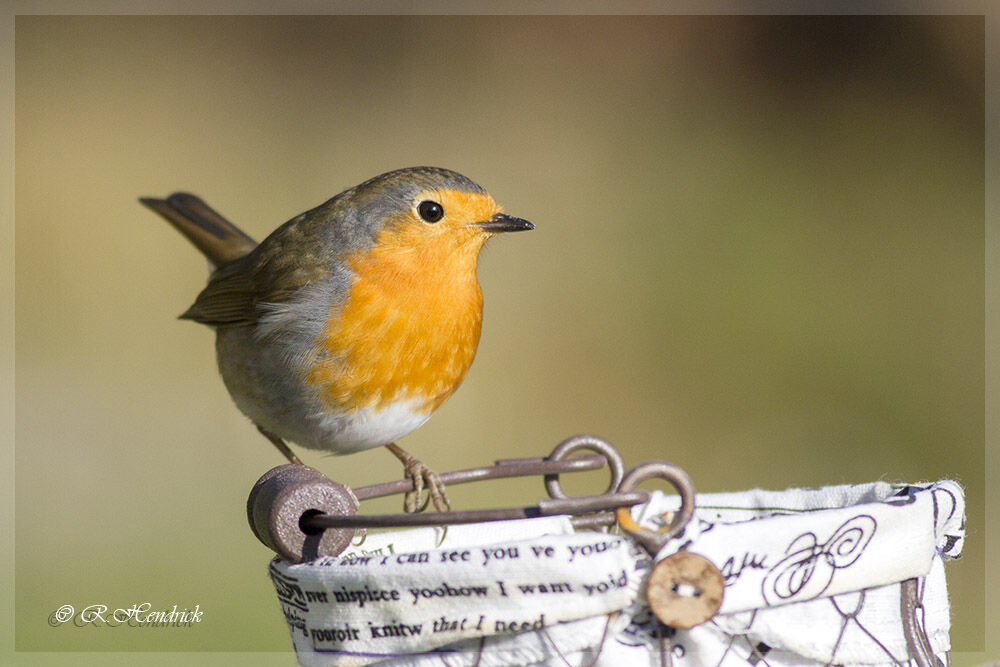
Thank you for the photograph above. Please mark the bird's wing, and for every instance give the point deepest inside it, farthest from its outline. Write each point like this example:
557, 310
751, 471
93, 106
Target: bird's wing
242, 292
230, 298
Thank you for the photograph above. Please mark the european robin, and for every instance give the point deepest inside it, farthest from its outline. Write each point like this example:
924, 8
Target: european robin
349, 325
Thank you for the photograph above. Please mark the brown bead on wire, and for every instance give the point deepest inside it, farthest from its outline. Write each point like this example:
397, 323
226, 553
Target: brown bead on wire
284, 497
684, 590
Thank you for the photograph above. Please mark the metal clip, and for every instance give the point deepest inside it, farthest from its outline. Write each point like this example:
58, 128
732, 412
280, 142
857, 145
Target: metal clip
684, 589
652, 540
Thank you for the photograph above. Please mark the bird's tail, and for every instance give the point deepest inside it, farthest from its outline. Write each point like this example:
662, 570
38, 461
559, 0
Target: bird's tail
218, 239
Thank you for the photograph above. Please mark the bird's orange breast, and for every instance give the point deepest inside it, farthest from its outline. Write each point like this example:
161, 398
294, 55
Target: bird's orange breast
409, 327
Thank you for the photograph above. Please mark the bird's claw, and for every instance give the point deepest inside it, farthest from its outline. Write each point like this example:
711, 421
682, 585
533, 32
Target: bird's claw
422, 478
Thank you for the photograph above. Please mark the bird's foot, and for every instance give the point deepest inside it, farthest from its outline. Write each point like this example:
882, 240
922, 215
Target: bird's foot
422, 478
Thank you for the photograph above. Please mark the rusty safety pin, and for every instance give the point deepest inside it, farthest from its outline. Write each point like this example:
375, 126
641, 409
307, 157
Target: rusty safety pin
301, 514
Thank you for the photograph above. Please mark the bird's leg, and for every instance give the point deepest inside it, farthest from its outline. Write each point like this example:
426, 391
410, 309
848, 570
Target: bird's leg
280, 444
421, 476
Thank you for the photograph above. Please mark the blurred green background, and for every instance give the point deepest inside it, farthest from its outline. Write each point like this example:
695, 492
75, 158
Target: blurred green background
759, 254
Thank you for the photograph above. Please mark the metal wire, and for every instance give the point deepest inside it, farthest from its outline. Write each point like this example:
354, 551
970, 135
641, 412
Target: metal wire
502, 469
571, 506
653, 540
593, 511
916, 637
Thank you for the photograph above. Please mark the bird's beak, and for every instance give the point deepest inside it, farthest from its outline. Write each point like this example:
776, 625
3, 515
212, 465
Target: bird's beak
501, 222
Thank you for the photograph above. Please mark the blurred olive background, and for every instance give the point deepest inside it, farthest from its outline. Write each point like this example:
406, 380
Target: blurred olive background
759, 254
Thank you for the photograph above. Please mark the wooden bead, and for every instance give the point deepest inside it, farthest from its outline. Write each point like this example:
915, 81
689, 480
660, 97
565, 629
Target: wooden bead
685, 590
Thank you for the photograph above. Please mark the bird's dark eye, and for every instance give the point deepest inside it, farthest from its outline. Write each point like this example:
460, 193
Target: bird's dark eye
430, 211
